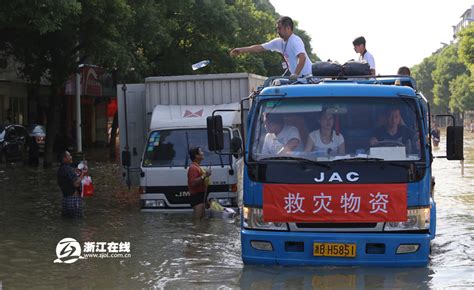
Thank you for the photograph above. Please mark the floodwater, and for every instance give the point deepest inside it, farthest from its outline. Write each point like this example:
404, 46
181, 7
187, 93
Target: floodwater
172, 251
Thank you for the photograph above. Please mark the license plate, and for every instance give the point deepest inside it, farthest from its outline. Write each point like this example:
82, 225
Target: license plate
334, 250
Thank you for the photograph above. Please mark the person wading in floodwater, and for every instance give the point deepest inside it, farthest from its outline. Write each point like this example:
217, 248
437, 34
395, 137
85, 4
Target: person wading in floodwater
69, 181
198, 181
435, 135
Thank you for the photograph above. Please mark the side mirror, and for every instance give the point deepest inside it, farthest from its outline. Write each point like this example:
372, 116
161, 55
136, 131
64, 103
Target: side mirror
235, 145
126, 158
215, 133
454, 143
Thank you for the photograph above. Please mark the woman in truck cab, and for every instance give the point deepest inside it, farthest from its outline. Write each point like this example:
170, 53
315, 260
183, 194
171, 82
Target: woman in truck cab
326, 139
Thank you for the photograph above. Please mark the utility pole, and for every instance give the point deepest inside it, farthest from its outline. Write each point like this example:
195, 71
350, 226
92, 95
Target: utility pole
126, 153
78, 110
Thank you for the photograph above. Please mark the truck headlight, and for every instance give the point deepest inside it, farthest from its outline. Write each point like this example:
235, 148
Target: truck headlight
154, 203
253, 219
418, 219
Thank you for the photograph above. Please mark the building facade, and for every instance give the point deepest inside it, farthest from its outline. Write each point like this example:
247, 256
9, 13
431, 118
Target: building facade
466, 18
20, 103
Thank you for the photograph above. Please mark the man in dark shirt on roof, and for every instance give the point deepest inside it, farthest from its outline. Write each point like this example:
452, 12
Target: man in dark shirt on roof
69, 181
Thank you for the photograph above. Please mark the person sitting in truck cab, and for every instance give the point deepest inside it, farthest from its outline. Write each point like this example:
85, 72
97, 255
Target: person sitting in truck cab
280, 138
393, 132
326, 138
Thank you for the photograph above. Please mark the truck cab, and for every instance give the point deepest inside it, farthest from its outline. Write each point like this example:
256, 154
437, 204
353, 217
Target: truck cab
338, 172
174, 129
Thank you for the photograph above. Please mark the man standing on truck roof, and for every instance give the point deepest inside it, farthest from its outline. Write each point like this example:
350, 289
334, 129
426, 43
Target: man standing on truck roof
359, 47
198, 181
289, 45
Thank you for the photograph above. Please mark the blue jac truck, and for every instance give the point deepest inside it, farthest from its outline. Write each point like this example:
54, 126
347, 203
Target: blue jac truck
337, 172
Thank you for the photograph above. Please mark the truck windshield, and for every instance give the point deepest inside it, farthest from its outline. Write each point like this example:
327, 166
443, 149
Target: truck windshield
167, 148
335, 129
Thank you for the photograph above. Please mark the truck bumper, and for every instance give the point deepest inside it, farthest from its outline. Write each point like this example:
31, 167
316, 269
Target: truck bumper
158, 202
372, 249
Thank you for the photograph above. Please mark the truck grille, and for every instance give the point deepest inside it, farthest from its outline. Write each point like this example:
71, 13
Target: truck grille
335, 225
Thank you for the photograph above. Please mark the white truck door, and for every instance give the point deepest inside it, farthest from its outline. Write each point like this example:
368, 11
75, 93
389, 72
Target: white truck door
132, 128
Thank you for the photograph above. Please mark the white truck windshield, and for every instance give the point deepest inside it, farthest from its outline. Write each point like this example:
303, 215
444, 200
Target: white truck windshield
330, 129
169, 148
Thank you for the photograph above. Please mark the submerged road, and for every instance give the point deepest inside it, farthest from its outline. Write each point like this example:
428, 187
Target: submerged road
149, 250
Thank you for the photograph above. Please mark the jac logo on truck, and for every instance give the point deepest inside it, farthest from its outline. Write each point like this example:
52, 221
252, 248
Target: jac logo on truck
336, 177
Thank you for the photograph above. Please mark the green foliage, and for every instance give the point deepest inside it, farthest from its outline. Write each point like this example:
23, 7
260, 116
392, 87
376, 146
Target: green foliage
46, 16
448, 67
446, 77
140, 38
462, 90
37, 36
422, 73
466, 46
254, 27
202, 30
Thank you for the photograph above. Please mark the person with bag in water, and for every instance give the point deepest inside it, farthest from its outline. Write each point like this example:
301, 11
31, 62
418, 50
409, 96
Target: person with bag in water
198, 182
69, 181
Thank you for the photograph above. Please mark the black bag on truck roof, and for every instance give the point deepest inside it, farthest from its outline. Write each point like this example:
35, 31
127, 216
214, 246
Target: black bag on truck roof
356, 68
326, 69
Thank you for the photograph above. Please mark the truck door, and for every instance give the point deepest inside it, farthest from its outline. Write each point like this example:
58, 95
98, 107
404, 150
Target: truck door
132, 128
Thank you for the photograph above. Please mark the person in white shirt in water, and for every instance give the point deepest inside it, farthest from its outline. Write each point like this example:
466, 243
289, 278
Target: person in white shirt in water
290, 45
280, 138
359, 47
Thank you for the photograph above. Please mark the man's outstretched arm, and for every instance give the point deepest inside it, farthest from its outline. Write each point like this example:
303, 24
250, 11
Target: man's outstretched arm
247, 49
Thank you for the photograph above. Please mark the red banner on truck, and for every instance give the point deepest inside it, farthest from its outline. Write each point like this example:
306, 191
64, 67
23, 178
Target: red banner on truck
335, 203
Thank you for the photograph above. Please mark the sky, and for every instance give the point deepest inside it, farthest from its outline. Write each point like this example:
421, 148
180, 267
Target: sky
398, 33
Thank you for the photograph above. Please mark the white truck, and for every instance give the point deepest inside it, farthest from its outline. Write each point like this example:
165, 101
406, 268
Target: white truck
164, 117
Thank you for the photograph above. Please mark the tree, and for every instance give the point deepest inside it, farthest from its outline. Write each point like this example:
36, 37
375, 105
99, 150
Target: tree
448, 67
39, 25
462, 87
254, 26
135, 38
422, 73
462, 93
45, 38
466, 46
200, 30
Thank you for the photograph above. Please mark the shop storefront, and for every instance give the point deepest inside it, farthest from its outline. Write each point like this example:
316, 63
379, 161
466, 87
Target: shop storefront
97, 96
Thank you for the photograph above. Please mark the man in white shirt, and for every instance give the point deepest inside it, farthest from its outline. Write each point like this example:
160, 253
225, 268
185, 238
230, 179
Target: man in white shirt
289, 45
359, 47
280, 138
